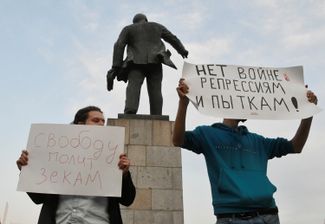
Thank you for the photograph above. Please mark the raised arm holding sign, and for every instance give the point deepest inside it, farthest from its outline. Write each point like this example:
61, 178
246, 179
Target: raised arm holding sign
237, 159
68, 161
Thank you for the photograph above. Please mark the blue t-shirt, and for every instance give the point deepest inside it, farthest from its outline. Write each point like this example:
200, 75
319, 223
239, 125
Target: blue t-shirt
237, 163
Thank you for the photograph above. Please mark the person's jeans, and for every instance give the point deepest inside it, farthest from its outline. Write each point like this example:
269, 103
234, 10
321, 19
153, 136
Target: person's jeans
260, 219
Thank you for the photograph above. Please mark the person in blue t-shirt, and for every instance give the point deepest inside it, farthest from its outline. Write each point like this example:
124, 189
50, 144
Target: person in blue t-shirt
237, 162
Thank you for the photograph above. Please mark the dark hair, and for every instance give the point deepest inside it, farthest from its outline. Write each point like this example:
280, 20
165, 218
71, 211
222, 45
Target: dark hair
82, 114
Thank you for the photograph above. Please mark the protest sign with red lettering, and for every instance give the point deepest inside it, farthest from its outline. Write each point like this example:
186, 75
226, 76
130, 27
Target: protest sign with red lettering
73, 159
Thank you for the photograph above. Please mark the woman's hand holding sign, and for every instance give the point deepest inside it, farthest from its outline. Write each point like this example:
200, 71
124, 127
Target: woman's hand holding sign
124, 163
23, 159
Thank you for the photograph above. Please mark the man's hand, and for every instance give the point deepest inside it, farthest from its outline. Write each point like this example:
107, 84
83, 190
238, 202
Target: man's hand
23, 159
124, 163
312, 97
179, 127
300, 138
182, 90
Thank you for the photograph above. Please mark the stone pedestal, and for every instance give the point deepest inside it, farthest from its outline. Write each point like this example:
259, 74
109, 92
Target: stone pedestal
156, 171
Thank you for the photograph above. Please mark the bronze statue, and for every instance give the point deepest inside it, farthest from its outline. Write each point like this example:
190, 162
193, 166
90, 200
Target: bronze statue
145, 54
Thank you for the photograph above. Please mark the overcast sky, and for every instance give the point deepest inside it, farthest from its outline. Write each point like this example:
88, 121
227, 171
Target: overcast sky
54, 56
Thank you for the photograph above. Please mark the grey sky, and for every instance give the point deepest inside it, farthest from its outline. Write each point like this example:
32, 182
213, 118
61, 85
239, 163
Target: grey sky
55, 54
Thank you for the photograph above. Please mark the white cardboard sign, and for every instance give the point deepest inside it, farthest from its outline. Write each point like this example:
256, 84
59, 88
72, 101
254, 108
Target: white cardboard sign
242, 92
73, 160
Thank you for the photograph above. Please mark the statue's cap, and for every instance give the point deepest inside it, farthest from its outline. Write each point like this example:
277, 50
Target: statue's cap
139, 17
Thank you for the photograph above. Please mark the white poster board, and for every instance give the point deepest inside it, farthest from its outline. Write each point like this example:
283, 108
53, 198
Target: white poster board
73, 160
242, 92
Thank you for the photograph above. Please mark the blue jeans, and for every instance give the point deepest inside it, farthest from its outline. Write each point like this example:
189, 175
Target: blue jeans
260, 219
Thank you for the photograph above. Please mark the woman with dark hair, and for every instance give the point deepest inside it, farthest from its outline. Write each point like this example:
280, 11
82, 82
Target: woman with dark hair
82, 114
84, 209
